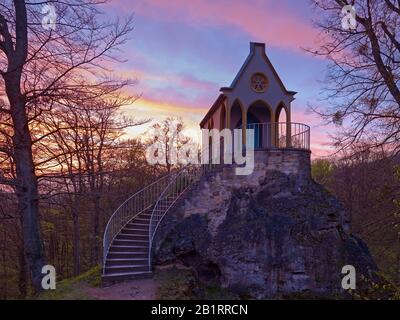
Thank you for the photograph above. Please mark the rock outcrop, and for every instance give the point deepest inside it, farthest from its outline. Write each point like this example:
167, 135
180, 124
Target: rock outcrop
272, 235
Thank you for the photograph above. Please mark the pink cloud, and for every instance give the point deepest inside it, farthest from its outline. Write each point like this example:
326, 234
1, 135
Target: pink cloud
179, 89
267, 21
321, 142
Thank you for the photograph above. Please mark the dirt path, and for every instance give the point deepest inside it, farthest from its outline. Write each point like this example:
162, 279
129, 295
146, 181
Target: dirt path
140, 289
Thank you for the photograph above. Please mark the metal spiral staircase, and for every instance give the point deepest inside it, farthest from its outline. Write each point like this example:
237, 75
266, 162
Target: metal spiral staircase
129, 234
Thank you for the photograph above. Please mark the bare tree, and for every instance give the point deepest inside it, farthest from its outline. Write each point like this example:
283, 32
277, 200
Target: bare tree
169, 136
363, 82
396, 223
81, 149
39, 68
366, 182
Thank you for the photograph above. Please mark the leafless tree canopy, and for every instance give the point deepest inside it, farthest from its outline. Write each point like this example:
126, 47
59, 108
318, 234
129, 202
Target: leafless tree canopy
45, 74
362, 88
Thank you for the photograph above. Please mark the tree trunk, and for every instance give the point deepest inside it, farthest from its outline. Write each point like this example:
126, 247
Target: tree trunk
398, 257
76, 239
28, 202
5, 273
27, 187
96, 230
22, 273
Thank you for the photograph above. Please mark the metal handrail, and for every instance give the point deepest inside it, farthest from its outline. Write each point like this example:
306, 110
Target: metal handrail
281, 135
183, 180
130, 208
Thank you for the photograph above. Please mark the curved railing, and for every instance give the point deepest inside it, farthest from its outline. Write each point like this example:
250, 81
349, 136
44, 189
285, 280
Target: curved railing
282, 135
133, 206
182, 181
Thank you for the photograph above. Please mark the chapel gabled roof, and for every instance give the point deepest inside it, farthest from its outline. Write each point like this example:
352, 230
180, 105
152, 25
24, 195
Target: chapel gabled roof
253, 46
222, 96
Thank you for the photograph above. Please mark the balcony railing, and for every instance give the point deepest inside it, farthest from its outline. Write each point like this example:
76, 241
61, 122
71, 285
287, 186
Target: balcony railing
281, 135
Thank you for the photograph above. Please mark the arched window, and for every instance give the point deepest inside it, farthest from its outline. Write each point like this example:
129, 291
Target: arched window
283, 127
222, 118
236, 114
281, 114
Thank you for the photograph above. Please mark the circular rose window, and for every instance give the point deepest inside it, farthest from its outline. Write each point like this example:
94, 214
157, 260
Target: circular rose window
259, 82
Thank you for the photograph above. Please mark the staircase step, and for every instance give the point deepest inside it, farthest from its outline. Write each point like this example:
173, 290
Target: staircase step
139, 232
137, 225
125, 269
125, 242
146, 215
108, 279
128, 249
121, 236
127, 255
141, 220
123, 262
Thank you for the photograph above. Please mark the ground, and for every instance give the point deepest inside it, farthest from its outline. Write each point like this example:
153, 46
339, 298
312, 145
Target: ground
170, 282
140, 289
173, 282
88, 287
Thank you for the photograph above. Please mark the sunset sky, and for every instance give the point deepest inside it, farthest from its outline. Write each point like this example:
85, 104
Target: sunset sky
181, 52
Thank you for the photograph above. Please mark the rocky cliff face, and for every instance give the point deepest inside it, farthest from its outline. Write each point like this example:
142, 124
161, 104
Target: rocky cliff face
273, 235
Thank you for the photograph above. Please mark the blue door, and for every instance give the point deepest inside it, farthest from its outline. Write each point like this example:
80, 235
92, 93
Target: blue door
254, 123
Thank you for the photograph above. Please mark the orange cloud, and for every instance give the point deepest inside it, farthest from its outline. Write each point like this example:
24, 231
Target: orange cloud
158, 110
